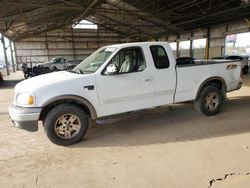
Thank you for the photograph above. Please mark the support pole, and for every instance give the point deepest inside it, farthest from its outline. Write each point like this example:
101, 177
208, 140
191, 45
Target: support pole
16, 58
98, 37
207, 44
223, 48
73, 44
5, 56
12, 57
178, 47
47, 46
191, 53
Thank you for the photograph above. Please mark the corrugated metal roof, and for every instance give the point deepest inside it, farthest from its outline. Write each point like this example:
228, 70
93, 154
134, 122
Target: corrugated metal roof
138, 19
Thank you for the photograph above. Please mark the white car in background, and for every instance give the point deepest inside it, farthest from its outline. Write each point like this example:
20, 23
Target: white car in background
2, 66
60, 63
243, 59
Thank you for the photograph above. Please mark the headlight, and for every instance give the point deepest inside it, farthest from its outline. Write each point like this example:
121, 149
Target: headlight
25, 99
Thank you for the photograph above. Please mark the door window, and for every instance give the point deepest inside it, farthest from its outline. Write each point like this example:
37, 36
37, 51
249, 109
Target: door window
129, 60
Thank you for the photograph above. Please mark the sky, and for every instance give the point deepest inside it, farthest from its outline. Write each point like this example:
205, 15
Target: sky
84, 24
243, 39
1, 50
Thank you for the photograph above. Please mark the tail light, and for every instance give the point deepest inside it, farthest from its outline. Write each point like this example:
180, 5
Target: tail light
234, 66
231, 66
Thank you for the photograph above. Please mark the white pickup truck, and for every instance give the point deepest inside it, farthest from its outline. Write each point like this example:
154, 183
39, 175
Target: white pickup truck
116, 79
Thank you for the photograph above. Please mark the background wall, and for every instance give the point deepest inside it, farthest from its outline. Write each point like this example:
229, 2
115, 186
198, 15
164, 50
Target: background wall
79, 43
76, 44
217, 38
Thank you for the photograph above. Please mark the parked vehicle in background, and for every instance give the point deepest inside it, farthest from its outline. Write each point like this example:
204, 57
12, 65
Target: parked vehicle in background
2, 66
243, 59
117, 79
29, 72
55, 64
59, 63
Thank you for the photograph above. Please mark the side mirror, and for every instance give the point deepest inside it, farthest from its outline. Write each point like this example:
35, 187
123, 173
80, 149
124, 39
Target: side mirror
111, 69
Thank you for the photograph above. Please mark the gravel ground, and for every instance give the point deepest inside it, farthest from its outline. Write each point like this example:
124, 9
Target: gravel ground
168, 147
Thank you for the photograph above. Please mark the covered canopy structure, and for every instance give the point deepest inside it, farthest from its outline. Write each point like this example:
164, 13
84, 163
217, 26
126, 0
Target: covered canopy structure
137, 19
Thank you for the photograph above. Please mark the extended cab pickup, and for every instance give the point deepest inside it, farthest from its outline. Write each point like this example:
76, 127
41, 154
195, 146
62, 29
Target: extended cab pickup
116, 79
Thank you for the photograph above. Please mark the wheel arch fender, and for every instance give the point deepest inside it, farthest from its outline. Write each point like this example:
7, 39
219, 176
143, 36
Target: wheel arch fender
217, 81
74, 99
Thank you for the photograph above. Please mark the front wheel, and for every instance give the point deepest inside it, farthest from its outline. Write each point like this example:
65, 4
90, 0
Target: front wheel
66, 124
26, 76
209, 101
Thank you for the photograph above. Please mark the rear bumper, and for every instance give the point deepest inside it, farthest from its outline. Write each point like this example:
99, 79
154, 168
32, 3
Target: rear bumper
25, 118
239, 85
234, 86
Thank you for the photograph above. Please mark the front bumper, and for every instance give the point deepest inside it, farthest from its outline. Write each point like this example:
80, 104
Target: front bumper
25, 118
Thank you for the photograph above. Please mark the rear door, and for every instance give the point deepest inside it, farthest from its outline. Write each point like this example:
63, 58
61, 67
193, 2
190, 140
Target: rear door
164, 74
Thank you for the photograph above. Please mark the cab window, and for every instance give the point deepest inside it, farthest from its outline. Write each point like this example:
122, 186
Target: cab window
160, 56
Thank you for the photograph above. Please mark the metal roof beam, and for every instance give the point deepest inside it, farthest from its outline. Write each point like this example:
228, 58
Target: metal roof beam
148, 19
60, 7
35, 32
122, 24
69, 3
213, 15
84, 14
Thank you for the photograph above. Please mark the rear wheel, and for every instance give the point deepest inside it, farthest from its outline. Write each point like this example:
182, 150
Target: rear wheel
209, 101
66, 124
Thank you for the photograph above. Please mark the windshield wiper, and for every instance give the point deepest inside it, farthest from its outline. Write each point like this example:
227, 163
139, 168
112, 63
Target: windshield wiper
76, 70
87, 71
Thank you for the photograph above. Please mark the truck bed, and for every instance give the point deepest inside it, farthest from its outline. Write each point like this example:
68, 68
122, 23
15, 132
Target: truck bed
191, 76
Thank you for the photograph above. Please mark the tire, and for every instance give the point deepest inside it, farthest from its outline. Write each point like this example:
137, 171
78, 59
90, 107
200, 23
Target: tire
209, 101
245, 70
54, 68
26, 76
59, 128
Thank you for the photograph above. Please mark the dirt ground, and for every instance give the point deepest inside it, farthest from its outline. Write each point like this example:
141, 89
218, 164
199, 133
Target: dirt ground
170, 148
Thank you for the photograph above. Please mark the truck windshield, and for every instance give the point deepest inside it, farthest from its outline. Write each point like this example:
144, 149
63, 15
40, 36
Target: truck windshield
94, 61
55, 60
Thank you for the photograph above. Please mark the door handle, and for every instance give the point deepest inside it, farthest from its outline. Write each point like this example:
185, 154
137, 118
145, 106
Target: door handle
90, 87
148, 79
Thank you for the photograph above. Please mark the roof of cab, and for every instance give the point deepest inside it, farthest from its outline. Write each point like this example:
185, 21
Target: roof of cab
135, 44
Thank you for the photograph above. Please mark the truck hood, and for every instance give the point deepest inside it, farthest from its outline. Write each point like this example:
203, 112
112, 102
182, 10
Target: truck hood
32, 84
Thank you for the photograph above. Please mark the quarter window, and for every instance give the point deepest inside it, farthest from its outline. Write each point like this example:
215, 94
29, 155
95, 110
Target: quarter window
160, 57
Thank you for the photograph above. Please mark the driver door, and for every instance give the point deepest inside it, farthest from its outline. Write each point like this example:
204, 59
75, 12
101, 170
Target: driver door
126, 91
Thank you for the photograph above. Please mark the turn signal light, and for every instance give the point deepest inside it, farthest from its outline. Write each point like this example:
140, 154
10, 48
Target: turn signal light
31, 100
